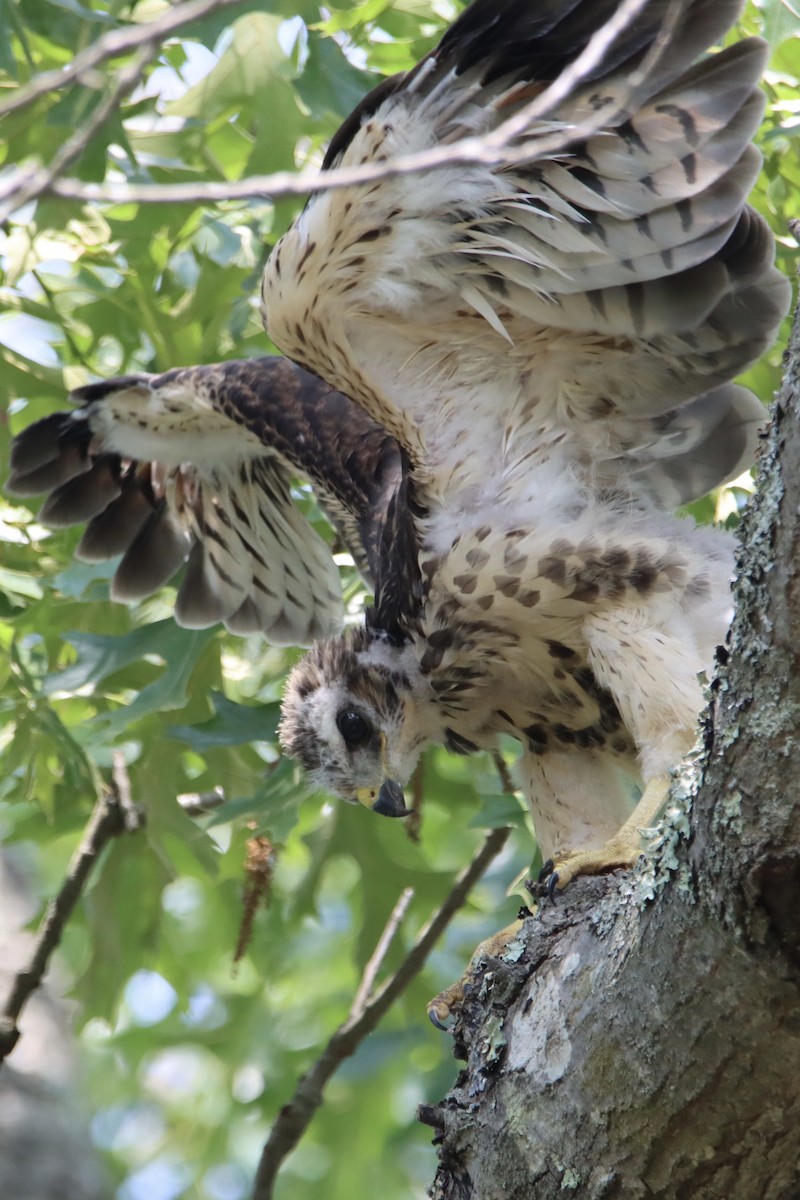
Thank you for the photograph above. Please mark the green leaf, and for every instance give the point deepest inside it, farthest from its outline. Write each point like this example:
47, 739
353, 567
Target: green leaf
231, 725
275, 805
100, 656
498, 811
781, 20
254, 58
329, 84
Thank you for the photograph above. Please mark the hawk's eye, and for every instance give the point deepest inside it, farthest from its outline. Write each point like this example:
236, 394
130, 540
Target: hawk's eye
353, 728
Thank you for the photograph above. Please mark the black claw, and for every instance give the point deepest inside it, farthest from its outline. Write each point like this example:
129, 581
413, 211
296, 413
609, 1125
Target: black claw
546, 871
434, 1020
544, 886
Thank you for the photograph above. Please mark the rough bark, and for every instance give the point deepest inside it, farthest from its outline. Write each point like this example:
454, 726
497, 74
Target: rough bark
646, 1041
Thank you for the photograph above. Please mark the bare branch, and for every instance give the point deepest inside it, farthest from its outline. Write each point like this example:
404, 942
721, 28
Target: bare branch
112, 815
41, 179
198, 804
507, 783
131, 816
379, 954
493, 150
295, 1117
112, 45
276, 186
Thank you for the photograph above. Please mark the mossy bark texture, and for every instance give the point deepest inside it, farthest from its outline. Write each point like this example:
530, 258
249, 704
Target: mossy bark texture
643, 1036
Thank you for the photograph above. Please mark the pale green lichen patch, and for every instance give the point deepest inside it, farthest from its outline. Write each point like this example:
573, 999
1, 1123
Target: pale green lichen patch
513, 951
662, 861
732, 808
541, 1035
570, 1180
493, 1039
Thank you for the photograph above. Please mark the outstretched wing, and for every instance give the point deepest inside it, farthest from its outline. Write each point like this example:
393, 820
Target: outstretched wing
589, 299
195, 466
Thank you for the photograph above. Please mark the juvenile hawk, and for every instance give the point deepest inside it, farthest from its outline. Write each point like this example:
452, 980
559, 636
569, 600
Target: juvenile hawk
540, 355
551, 342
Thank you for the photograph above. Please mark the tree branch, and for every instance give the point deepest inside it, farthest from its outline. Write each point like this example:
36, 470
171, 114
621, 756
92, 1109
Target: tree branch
113, 44
40, 180
506, 145
199, 804
653, 1013
113, 814
294, 1117
747, 849
375, 963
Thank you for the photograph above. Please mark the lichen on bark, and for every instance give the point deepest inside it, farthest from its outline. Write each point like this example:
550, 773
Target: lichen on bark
646, 1040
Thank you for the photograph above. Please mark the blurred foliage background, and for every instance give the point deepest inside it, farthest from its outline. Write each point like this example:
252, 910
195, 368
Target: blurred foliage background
185, 1061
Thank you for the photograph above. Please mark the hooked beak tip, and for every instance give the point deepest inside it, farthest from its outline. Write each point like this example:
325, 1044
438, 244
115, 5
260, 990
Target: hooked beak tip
391, 802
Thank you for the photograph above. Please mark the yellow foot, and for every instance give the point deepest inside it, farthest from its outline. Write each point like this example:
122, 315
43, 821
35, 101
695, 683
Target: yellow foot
618, 852
622, 850
441, 1009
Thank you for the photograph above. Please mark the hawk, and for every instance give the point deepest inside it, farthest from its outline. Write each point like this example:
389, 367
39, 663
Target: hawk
538, 348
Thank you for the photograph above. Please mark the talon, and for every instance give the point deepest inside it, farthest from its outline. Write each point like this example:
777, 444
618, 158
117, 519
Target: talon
441, 1012
546, 881
440, 1016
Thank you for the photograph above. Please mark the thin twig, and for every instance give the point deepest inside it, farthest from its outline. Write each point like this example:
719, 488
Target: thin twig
294, 1118
467, 151
509, 787
491, 150
42, 179
197, 804
372, 968
112, 45
110, 817
131, 816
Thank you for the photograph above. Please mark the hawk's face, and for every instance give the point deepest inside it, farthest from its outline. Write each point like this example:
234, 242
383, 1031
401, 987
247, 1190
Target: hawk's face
351, 718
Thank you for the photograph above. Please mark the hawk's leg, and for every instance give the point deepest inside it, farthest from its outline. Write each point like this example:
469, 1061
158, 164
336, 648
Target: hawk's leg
440, 1009
651, 670
621, 850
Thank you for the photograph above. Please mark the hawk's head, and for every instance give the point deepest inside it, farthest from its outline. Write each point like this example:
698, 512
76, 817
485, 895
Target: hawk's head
352, 719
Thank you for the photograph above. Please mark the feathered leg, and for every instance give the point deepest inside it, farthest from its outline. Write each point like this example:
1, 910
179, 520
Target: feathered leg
652, 673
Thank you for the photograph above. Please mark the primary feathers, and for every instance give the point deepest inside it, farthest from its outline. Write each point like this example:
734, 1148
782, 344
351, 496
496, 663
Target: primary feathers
540, 354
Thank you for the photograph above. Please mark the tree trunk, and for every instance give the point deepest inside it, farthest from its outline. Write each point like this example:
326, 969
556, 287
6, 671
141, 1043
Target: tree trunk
646, 1042
46, 1152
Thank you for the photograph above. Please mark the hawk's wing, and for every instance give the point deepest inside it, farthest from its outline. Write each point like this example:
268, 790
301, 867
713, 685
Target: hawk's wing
195, 466
595, 293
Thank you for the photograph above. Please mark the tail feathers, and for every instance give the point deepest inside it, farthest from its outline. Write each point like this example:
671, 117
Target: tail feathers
83, 496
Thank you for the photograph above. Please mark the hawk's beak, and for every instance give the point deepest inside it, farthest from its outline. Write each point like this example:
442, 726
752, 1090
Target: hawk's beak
389, 801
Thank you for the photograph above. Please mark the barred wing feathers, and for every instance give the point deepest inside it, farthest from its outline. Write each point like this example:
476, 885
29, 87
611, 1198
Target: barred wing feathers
195, 466
598, 298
